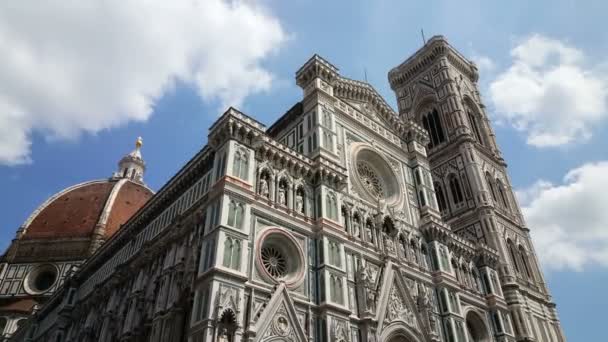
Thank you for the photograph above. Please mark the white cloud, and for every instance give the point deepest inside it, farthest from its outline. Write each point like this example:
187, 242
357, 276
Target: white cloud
484, 63
550, 92
569, 221
73, 67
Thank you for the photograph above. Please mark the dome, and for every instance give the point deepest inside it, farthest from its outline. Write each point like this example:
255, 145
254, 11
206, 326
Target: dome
78, 211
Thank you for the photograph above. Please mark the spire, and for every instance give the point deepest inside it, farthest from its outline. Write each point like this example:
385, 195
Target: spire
132, 165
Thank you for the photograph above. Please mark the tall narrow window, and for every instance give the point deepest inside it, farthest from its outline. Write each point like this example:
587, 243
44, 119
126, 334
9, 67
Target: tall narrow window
432, 123
524, 262
335, 289
240, 165
475, 127
491, 187
503, 195
227, 252
235, 214
332, 209
455, 189
513, 254
440, 197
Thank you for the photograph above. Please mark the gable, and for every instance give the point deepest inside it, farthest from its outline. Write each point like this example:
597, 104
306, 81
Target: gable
279, 319
400, 308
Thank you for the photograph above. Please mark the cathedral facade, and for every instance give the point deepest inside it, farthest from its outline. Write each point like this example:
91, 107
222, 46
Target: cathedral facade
343, 221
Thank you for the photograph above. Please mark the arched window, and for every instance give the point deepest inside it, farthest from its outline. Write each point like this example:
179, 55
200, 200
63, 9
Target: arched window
440, 197
491, 187
503, 195
513, 254
524, 262
335, 257
432, 124
475, 127
232, 253
240, 165
235, 214
332, 206
335, 289
455, 189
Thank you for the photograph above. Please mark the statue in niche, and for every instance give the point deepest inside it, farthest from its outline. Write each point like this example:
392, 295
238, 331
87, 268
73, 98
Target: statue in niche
369, 292
388, 242
299, 202
223, 336
369, 231
264, 187
356, 227
282, 197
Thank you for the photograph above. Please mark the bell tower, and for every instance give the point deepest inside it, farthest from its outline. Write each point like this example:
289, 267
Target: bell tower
437, 88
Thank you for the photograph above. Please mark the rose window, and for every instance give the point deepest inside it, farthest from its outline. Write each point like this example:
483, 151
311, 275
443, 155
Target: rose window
274, 262
376, 177
370, 179
280, 258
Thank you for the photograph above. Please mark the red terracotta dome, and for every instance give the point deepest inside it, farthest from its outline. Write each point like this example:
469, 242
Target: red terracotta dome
77, 211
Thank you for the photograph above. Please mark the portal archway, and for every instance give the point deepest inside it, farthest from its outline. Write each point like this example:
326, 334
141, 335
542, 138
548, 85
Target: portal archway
399, 332
476, 328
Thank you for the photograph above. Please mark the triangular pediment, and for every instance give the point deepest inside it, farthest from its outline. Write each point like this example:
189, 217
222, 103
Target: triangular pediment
279, 319
397, 304
368, 110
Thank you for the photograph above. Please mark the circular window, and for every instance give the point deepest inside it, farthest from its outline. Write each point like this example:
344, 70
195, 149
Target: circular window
370, 179
274, 262
280, 258
41, 279
373, 176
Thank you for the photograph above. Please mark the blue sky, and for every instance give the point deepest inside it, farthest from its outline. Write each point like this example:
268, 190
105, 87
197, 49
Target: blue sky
72, 101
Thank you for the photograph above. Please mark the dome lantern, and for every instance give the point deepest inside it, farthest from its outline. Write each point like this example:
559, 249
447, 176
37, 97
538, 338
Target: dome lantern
132, 165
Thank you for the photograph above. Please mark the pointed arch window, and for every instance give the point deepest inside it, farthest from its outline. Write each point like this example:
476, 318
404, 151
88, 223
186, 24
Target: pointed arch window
335, 289
455, 189
513, 254
440, 197
335, 257
232, 253
241, 165
491, 187
503, 195
332, 206
524, 262
432, 124
235, 214
475, 126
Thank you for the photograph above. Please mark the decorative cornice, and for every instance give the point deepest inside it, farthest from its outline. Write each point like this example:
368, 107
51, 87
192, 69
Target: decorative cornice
315, 67
361, 91
420, 61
